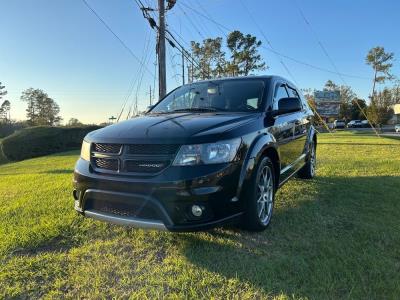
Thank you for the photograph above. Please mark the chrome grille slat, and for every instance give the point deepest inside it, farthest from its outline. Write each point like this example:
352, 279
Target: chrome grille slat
107, 148
107, 164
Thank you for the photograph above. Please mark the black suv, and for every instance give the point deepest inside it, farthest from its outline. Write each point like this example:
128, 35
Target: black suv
210, 152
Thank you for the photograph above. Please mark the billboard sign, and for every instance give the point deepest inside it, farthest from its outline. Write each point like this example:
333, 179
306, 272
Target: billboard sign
396, 109
328, 103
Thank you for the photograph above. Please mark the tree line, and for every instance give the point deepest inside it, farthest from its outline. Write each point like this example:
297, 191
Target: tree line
5, 106
243, 57
41, 110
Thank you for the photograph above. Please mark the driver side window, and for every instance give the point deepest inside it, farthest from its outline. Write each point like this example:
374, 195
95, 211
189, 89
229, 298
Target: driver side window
280, 92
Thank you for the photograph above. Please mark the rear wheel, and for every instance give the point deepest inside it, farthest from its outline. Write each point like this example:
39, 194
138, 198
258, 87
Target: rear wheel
260, 197
308, 171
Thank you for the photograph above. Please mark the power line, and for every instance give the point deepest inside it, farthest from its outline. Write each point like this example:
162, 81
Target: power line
271, 49
145, 61
173, 64
191, 22
207, 15
331, 61
171, 39
128, 94
319, 41
114, 34
280, 60
132, 85
268, 42
145, 54
196, 19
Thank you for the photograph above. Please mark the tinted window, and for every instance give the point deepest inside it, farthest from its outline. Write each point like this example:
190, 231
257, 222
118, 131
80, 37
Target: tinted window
280, 92
292, 93
220, 95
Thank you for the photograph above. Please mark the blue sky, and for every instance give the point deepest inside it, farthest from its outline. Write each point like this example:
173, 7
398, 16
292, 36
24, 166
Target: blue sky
60, 47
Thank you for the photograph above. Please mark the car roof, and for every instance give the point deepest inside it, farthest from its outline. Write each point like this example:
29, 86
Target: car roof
270, 77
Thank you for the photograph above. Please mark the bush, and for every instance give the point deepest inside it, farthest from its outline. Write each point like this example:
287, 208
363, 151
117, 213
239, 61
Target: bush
7, 129
43, 140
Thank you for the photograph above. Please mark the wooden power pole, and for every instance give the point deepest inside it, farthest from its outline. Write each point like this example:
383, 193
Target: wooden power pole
162, 77
183, 67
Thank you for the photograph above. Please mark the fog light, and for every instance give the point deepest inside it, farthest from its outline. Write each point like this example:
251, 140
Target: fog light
197, 211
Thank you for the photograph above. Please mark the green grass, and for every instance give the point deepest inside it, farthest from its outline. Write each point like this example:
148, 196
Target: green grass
336, 237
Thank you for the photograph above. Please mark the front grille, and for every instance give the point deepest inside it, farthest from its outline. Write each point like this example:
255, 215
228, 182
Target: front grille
106, 163
139, 166
139, 158
140, 209
148, 149
107, 148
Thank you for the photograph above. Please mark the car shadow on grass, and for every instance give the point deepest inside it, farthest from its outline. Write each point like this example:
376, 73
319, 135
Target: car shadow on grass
59, 171
332, 238
351, 144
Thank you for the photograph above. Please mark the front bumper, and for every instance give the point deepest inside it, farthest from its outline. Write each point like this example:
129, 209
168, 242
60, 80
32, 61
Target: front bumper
163, 201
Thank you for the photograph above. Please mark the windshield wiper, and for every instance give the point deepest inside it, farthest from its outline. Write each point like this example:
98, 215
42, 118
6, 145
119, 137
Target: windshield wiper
197, 109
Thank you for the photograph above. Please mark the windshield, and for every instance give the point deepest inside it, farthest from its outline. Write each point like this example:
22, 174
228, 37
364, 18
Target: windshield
221, 95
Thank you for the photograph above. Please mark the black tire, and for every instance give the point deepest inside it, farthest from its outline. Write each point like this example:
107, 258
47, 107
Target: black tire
254, 220
308, 171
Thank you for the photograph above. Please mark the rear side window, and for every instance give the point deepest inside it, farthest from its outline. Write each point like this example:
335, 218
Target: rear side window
293, 93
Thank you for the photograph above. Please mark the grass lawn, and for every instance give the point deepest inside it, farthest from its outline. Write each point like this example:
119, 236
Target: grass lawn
337, 236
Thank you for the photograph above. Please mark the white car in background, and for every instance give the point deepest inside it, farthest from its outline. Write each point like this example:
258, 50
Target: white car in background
397, 128
339, 124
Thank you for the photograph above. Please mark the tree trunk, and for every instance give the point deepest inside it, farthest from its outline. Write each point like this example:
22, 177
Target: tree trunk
373, 86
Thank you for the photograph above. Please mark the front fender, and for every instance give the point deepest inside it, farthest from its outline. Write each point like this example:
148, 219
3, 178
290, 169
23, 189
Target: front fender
259, 145
310, 137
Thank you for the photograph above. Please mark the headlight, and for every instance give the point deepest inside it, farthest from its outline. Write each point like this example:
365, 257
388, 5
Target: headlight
85, 150
202, 154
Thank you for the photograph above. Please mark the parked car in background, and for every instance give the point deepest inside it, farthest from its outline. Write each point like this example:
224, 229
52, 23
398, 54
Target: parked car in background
365, 124
339, 124
397, 128
354, 124
209, 153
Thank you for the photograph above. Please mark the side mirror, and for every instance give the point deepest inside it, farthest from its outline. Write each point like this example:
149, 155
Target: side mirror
288, 105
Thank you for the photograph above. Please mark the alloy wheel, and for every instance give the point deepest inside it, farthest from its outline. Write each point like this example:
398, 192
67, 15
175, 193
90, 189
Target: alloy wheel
313, 160
265, 195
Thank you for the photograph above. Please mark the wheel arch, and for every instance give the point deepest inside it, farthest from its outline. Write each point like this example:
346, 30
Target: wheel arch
312, 138
264, 145
273, 154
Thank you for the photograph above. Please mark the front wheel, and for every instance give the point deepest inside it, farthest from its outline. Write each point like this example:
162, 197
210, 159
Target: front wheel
308, 171
260, 197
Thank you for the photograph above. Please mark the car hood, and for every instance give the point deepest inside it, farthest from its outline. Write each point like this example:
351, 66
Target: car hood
176, 128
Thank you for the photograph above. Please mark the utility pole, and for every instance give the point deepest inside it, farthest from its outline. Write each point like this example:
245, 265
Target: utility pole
162, 77
183, 67
150, 95
192, 70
